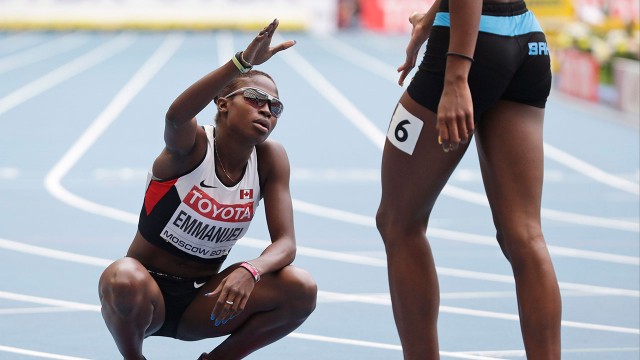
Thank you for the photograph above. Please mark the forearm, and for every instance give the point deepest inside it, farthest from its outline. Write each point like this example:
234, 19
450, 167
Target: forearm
277, 255
199, 95
465, 21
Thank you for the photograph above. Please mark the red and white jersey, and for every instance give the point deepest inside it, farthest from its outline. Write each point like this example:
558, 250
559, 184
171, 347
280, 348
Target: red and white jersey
196, 215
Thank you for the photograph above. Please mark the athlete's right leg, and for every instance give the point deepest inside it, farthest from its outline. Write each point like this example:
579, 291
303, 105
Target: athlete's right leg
410, 186
132, 305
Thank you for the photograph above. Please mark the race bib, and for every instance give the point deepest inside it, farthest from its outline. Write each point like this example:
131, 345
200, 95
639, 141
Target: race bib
404, 130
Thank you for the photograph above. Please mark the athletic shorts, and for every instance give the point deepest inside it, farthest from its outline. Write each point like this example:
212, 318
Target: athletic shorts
178, 294
511, 60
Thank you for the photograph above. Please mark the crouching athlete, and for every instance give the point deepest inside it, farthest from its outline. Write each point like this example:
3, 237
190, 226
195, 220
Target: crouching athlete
200, 198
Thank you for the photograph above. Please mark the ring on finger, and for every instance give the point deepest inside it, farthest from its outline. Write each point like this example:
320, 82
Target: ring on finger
229, 302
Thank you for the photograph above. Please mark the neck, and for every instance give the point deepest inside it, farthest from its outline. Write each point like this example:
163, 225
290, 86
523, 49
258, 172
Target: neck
230, 169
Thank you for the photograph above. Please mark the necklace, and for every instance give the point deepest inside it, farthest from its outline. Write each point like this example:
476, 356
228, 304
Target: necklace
215, 149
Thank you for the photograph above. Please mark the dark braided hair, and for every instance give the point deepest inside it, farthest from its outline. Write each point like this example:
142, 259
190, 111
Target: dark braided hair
237, 83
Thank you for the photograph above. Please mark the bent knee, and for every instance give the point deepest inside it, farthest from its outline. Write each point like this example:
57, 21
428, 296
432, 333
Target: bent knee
302, 291
122, 288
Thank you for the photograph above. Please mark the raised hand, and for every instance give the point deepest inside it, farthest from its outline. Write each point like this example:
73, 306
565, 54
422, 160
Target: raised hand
260, 49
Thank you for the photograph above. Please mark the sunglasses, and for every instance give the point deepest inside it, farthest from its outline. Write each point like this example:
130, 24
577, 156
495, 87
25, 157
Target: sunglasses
257, 98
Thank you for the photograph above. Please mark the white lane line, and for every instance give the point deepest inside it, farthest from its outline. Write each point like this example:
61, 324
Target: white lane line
9, 173
367, 62
472, 312
47, 301
556, 215
324, 255
442, 271
385, 299
41, 52
96, 308
522, 354
363, 60
601, 350
52, 181
343, 297
366, 299
40, 354
369, 221
34, 310
53, 254
333, 95
589, 170
65, 72
456, 355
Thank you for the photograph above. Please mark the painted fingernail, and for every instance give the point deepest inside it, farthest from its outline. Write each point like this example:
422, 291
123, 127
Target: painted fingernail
217, 323
224, 321
213, 317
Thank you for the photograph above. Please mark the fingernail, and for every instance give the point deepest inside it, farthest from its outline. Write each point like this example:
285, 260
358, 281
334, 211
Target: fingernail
217, 322
224, 321
439, 140
213, 317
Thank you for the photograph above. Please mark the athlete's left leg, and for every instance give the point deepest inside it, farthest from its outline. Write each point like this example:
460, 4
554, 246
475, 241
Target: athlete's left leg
510, 148
279, 303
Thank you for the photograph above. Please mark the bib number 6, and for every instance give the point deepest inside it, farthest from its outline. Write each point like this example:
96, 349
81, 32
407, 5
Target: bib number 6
404, 130
401, 133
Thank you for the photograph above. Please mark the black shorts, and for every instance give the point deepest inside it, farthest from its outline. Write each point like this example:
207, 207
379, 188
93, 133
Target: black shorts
178, 293
511, 60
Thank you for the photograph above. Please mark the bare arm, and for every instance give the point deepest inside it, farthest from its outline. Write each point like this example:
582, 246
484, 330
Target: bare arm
184, 139
239, 285
455, 111
278, 209
421, 28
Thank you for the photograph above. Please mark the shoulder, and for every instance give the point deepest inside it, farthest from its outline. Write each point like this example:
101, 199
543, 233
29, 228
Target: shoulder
270, 148
272, 160
171, 164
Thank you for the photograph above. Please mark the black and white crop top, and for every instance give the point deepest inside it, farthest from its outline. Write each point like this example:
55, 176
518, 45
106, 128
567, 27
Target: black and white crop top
195, 215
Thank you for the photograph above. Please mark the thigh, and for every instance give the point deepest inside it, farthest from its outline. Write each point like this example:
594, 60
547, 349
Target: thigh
510, 148
270, 292
412, 182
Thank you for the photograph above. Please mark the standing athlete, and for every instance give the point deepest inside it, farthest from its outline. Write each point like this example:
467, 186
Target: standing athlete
486, 71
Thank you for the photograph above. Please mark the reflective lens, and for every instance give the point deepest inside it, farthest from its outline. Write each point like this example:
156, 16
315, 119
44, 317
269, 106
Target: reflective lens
258, 97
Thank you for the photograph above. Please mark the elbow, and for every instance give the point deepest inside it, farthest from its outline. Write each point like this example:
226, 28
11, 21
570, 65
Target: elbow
291, 254
171, 117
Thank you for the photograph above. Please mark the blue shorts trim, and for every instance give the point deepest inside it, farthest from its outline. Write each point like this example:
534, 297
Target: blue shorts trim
499, 25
